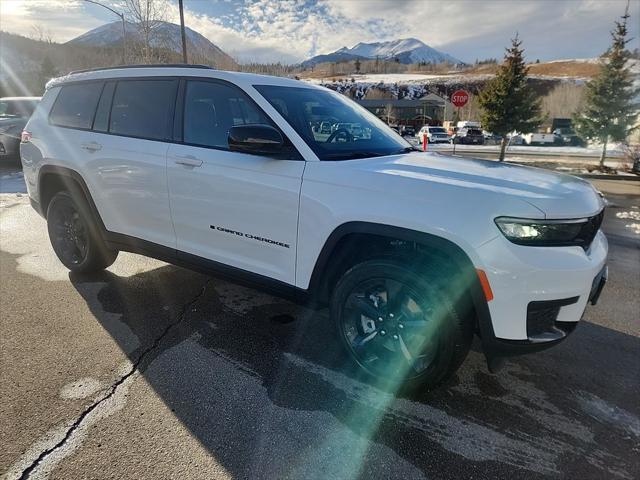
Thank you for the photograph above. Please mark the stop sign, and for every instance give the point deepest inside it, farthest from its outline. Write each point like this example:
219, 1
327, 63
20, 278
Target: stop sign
460, 98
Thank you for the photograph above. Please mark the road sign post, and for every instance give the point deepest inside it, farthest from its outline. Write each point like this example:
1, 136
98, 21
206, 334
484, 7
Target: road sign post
459, 99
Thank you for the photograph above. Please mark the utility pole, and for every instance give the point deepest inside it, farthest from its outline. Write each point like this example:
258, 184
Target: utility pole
124, 29
182, 33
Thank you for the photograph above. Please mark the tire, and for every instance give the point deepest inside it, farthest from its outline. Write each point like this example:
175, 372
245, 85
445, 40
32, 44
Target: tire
372, 306
74, 235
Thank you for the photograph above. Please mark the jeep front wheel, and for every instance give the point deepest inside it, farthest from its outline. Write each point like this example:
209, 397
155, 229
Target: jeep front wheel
400, 325
74, 236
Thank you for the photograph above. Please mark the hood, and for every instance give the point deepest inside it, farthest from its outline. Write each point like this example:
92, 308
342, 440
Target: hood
555, 195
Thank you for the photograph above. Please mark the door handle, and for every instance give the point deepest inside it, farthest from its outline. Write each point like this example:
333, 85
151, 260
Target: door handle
92, 146
188, 160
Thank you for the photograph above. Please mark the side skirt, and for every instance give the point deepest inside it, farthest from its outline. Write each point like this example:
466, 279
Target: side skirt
210, 267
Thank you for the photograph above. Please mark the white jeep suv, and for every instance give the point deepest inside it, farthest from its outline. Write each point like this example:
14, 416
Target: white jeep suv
413, 252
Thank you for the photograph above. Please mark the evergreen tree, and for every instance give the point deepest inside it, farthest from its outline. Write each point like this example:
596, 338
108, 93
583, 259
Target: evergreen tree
507, 102
609, 112
357, 64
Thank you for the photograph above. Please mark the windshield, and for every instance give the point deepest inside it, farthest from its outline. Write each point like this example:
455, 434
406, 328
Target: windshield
333, 126
17, 108
437, 130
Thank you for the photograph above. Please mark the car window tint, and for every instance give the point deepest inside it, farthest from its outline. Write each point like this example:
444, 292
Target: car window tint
143, 108
333, 126
101, 122
211, 109
76, 105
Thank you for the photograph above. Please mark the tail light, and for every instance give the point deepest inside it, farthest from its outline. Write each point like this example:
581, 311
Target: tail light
25, 137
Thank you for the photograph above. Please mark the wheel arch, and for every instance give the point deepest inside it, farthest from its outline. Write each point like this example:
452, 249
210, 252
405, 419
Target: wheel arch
53, 179
351, 242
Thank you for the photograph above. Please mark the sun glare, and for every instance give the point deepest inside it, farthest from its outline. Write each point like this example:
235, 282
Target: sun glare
11, 8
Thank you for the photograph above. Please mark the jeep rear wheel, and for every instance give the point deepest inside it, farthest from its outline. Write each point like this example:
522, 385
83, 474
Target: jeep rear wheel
74, 237
400, 326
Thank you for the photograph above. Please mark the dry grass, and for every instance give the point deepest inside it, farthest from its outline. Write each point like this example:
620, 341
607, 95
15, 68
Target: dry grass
565, 69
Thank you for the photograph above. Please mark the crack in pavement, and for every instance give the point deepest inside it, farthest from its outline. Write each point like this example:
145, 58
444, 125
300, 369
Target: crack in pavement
26, 473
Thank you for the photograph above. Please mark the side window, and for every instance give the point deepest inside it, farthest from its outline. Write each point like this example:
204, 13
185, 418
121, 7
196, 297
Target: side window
211, 109
143, 108
76, 105
101, 122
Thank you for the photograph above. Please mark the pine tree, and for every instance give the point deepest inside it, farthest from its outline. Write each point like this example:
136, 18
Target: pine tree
507, 102
609, 112
357, 64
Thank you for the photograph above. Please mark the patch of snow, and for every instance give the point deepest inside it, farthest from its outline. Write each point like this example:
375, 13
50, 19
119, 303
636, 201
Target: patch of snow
634, 215
611, 414
81, 388
576, 60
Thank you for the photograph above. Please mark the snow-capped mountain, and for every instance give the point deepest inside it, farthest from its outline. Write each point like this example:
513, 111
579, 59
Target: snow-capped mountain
166, 35
405, 50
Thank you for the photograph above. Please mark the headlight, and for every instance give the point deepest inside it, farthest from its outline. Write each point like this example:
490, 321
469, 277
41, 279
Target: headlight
550, 233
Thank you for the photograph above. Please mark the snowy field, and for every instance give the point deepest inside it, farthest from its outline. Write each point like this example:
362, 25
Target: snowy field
400, 78
592, 151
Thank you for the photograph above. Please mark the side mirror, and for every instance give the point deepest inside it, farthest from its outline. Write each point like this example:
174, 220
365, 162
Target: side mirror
255, 139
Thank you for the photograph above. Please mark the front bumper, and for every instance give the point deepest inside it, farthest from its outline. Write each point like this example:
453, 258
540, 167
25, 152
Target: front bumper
540, 293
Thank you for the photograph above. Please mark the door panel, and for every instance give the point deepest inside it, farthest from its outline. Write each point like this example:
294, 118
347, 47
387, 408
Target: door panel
235, 207
128, 171
230, 207
130, 181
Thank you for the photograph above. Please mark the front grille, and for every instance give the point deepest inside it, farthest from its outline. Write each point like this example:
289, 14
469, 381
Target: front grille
542, 315
589, 229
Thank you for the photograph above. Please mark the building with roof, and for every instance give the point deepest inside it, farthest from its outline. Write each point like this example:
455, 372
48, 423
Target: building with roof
428, 110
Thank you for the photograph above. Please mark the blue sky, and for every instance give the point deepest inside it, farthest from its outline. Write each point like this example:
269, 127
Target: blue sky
290, 31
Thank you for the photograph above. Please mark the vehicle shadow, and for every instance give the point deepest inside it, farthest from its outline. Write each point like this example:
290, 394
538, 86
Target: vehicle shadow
274, 398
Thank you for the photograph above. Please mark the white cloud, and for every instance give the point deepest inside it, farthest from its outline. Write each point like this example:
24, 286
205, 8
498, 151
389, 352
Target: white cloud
60, 19
289, 31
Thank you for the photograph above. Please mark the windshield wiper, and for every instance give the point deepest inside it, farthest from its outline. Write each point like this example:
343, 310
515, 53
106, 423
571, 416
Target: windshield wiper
406, 150
353, 155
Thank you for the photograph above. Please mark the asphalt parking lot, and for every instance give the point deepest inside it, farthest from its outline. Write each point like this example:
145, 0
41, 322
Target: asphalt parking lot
152, 371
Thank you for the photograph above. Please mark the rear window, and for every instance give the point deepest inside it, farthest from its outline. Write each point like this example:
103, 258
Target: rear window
143, 108
437, 130
76, 105
474, 131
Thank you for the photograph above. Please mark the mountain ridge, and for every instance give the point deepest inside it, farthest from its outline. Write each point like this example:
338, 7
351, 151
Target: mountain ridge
166, 35
403, 50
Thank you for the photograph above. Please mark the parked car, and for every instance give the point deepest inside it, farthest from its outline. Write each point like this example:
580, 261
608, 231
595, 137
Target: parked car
468, 136
407, 131
567, 137
162, 162
542, 139
434, 134
468, 124
515, 138
491, 138
14, 113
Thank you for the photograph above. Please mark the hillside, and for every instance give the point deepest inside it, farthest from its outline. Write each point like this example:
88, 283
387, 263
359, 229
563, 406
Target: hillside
166, 36
28, 64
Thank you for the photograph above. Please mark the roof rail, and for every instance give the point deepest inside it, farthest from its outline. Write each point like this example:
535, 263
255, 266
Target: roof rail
153, 65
